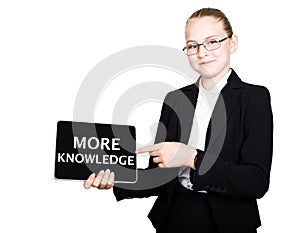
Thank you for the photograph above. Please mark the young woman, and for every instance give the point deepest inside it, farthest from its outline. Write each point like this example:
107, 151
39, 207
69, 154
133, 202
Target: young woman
222, 171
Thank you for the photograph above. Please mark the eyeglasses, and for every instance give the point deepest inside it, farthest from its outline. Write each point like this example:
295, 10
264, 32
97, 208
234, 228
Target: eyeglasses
212, 44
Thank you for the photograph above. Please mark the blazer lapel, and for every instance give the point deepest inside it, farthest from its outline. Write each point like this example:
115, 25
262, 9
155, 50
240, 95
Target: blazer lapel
185, 110
231, 92
215, 135
224, 106
186, 104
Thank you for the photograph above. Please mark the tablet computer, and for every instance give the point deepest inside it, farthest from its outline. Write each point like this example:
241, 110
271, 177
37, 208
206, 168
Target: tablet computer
83, 148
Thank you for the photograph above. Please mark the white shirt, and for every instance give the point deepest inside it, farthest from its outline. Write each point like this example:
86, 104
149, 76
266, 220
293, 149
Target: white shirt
205, 104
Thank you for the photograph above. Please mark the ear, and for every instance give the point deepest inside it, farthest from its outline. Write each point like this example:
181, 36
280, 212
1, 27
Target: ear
233, 43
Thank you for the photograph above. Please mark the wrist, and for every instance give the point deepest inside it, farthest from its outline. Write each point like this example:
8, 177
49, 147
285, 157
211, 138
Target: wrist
192, 164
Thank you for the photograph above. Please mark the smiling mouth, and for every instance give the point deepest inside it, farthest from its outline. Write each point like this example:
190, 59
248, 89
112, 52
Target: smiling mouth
205, 62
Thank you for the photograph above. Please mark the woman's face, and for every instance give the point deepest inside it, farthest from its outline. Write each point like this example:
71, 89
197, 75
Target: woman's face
210, 64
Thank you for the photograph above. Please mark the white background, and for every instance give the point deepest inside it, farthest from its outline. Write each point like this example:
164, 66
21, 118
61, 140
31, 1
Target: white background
46, 50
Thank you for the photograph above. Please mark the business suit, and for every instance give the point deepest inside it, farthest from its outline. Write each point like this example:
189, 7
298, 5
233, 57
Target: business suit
240, 173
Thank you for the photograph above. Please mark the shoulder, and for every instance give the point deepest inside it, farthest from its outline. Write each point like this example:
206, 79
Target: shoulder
256, 100
255, 91
186, 91
247, 89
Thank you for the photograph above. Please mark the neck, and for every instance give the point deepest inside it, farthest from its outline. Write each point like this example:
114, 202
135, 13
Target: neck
209, 82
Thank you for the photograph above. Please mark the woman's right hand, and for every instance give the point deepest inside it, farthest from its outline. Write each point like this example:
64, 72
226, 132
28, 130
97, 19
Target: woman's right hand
104, 180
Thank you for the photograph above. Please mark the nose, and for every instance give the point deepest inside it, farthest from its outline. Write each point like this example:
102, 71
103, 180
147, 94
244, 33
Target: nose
202, 52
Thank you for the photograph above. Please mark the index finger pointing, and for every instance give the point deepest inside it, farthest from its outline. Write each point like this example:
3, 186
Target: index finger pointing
148, 148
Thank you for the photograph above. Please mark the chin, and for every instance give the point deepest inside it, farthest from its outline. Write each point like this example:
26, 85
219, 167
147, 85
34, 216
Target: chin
203, 70
206, 73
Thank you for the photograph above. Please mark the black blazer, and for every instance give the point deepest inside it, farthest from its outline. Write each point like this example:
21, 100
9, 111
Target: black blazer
239, 147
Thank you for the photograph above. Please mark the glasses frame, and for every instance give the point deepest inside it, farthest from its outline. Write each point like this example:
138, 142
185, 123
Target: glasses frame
204, 45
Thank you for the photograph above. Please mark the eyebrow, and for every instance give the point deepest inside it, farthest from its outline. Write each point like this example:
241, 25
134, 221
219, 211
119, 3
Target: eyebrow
206, 38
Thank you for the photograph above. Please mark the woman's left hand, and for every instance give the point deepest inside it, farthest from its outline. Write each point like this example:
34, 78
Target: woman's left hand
171, 154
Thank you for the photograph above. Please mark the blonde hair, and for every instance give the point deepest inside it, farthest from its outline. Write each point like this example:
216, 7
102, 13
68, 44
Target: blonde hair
215, 13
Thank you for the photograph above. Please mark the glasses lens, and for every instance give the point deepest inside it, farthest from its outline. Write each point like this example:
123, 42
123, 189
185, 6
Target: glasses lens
212, 44
191, 49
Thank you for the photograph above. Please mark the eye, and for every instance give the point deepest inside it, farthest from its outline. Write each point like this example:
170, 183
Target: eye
212, 42
191, 46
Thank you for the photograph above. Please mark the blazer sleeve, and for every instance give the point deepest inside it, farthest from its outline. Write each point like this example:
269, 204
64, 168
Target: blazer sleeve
161, 134
249, 177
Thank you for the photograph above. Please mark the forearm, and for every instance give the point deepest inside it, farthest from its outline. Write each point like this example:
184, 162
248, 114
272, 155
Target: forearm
229, 178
